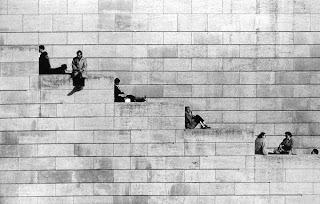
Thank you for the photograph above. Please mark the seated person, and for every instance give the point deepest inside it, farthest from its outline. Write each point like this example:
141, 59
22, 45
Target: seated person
79, 71
286, 146
44, 64
192, 121
315, 151
260, 144
119, 96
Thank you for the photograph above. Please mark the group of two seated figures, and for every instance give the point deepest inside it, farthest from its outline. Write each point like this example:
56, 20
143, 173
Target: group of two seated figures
285, 147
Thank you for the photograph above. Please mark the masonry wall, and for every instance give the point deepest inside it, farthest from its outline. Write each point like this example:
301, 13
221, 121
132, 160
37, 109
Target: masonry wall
245, 65
236, 62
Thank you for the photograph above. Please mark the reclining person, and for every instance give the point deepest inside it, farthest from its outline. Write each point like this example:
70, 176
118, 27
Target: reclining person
120, 96
191, 121
260, 144
44, 64
286, 146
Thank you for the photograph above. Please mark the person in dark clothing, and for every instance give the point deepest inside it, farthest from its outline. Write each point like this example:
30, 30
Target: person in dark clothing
79, 71
260, 144
119, 96
191, 121
44, 64
315, 151
286, 146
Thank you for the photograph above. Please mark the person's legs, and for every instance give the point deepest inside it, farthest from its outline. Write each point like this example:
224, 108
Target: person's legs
200, 120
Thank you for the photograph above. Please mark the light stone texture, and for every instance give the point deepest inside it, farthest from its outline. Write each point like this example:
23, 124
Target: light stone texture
245, 66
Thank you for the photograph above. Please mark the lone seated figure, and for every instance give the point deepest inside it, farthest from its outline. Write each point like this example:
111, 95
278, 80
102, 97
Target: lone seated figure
286, 146
315, 151
44, 64
260, 144
120, 96
192, 121
79, 71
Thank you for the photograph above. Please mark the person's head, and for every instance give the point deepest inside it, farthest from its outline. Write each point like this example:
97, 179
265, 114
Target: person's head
41, 48
116, 81
262, 135
187, 109
315, 151
79, 54
288, 135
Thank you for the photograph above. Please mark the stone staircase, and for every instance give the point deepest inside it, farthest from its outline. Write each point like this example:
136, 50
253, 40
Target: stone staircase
84, 149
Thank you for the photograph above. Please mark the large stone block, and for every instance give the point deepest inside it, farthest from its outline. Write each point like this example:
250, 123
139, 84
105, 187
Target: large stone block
192, 22
93, 150
217, 189
22, 7
33, 23
222, 162
120, 136
18, 124
242, 175
239, 91
115, 37
98, 22
67, 23
74, 189
17, 111
207, 6
223, 51
177, 38
18, 54
80, 110
54, 177
37, 163
234, 149
53, 6
112, 189
206, 64
89, 6
177, 6
252, 188
291, 188
148, 189
148, 38
175, 149
112, 162
18, 69
199, 149
177, 64
152, 136
239, 6
121, 6
56, 150
22, 39
82, 38
207, 38
199, 176
9, 164
9, 190
93, 176
153, 6
94, 123
18, 177
64, 163
163, 22
149, 109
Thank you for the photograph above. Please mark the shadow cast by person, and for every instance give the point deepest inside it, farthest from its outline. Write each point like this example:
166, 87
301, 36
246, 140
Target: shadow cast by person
74, 90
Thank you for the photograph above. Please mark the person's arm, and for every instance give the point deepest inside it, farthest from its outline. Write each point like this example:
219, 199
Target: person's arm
74, 65
264, 146
84, 66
